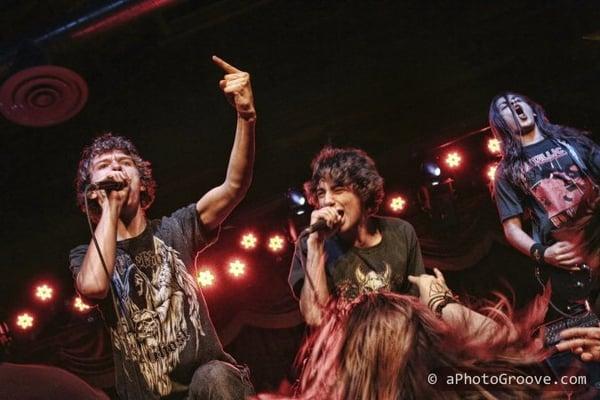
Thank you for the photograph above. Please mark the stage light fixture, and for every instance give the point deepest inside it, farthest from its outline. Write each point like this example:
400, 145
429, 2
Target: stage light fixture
237, 268
25, 321
276, 243
44, 292
296, 202
397, 204
249, 241
493, 145
491, 171
79, 305
205, 278
453, 159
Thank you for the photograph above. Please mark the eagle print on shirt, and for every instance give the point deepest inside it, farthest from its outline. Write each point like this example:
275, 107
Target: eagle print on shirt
152, 327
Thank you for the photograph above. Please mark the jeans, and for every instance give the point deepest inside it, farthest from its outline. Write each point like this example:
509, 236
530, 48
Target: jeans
220, 380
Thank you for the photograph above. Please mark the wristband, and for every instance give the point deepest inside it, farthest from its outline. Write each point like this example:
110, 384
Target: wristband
439, 301
537, 251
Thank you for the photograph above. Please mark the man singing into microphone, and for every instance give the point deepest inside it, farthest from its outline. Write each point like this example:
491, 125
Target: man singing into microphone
164, 343
356, 252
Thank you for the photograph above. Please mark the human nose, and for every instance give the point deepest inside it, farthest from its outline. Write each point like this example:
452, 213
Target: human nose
328, 199
114, 165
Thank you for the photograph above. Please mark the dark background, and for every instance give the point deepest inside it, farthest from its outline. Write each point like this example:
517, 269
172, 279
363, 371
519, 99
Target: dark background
392, 77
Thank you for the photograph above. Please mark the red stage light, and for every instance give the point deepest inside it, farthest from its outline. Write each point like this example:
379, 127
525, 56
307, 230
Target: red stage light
453, 159
25, 321
44, 292
491, 171
397, 204
79, 305
237, 268
276, 243
205, 278
249, 241
493, 145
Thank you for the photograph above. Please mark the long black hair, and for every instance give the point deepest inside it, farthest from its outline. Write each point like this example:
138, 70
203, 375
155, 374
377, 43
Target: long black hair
513, 159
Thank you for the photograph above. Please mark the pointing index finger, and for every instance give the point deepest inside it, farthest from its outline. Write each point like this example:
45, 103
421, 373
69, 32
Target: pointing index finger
230, 69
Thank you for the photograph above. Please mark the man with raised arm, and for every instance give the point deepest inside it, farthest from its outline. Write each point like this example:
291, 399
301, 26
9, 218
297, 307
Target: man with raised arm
164, 343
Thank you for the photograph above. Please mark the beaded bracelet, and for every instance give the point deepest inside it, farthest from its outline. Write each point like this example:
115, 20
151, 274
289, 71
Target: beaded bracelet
438, 302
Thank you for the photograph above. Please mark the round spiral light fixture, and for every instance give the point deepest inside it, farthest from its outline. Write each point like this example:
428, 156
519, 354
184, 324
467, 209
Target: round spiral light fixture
41, 96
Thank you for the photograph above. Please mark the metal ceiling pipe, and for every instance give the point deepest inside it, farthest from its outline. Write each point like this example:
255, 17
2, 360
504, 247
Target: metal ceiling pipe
105, 17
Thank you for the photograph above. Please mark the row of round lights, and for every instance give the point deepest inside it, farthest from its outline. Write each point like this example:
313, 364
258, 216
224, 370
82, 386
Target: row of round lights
206, 278
45, 293
275, 244
237, 268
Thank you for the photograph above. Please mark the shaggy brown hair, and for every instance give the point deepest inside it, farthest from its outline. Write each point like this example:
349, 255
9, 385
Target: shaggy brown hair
350, 168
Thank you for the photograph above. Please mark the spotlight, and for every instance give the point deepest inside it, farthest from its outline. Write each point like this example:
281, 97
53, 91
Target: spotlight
431, 169
453, 159
491, 171
249, 241
493, 145
205, 278
397, 204
44, 292
297, 198
431, 172
79, 305
237, 268
296, 201
25, 321
276, 243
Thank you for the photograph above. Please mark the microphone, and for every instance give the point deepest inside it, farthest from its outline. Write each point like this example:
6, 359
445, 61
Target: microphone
320, 225
107, 185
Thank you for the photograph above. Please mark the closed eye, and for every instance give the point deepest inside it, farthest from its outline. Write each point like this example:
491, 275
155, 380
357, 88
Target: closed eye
102, 165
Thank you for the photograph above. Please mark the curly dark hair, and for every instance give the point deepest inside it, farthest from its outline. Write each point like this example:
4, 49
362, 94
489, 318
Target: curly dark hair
347, 167
102, 144
513, 159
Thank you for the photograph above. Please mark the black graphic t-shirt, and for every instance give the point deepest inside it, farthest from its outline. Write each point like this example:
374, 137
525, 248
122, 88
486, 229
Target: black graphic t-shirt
352, 271
159, 323
556, 186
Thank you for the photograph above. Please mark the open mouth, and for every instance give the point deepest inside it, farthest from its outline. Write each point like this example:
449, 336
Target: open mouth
520, 113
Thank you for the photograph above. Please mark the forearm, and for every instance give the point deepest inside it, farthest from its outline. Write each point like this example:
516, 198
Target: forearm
241, 161
92, 280
459, 316
218, 202
313, 299
518, 239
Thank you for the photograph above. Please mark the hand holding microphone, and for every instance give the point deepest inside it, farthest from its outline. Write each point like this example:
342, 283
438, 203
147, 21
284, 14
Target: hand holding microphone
112, 189
325, 221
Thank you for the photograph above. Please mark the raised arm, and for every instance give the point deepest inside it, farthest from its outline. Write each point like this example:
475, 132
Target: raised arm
434, 292
218, 202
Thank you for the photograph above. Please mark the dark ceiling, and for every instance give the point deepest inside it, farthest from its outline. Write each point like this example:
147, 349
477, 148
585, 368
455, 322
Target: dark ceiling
390, 77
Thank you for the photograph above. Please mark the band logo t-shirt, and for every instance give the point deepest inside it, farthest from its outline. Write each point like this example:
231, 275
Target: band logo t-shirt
556, 187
